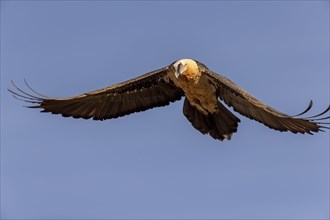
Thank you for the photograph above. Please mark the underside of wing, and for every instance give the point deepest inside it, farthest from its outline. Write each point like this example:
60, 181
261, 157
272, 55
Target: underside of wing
247, 105
150, 90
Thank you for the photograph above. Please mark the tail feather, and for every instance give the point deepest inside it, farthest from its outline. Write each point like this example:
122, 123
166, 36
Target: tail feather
220, 124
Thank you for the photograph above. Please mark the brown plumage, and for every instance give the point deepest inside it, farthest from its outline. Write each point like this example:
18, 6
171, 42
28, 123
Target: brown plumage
202, 89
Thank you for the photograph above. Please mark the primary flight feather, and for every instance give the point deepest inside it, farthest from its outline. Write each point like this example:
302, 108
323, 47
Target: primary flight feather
202, 89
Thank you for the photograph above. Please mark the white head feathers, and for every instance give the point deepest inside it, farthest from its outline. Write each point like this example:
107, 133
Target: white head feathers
185, 67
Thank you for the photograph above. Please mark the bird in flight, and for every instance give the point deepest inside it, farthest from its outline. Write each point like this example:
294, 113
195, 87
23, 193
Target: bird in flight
203, 91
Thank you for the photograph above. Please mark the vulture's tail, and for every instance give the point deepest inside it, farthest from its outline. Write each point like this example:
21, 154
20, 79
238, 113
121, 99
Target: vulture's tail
220, 124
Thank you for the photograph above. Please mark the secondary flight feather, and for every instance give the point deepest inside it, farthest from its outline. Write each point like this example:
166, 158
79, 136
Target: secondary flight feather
203, 91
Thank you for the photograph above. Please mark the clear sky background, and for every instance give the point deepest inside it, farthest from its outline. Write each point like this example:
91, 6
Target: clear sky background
154, 164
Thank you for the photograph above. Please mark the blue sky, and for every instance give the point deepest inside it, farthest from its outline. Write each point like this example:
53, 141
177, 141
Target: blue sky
154, 164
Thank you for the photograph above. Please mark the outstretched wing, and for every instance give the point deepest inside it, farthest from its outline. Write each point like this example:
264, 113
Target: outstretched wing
150, 90
247, 105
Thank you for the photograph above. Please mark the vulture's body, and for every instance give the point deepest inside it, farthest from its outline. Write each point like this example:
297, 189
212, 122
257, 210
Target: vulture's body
202, 89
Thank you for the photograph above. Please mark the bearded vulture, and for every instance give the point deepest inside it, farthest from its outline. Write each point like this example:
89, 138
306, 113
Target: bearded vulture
202, 88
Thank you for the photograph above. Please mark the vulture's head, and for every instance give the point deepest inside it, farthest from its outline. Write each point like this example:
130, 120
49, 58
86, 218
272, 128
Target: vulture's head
186, 68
